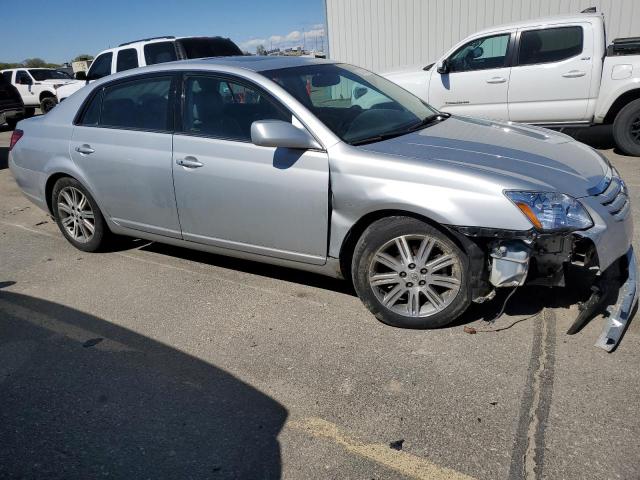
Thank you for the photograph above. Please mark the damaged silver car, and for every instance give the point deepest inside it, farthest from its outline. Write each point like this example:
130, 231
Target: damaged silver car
275, 159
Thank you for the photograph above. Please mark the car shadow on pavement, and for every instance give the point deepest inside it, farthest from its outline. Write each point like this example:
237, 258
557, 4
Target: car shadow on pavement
598, 136
81, 397
254, 268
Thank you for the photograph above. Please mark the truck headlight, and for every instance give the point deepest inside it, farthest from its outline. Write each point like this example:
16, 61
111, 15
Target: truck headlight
549, 211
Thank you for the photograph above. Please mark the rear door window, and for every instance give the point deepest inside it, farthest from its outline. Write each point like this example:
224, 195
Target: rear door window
549, 45
160, 52
127, 59
141, 104
101, 66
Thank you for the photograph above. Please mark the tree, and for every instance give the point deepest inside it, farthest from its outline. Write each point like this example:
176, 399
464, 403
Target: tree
34, 63
83, 57
260, 50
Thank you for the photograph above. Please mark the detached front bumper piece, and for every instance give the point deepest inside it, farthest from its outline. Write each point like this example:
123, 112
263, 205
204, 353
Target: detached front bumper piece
620, 312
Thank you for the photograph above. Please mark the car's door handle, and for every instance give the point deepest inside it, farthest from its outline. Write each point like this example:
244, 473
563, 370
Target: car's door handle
189, 162
496, 80
85, 149
574, 74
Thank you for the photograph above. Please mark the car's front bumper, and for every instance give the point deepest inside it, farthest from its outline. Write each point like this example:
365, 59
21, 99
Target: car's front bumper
627, 299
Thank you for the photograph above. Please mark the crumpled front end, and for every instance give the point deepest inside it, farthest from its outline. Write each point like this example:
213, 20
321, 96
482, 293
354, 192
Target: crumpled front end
601, 255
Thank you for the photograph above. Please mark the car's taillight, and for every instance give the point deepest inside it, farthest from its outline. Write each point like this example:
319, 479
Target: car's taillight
15, 136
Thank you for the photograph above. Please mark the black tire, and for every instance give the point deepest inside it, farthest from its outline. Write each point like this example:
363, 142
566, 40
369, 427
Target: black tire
12, 122
381, 233
47, 104
101, 234
626, 129
29, 112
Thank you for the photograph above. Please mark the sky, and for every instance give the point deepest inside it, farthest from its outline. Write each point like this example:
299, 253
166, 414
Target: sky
70, 28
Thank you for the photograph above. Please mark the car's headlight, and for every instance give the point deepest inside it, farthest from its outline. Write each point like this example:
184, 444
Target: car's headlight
549, 211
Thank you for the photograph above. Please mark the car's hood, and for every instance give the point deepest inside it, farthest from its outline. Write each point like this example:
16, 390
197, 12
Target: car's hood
531, 156
70, 88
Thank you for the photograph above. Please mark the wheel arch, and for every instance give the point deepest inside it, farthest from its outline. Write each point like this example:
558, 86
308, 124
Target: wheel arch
619, 104
48, 187
46, 93
354, 233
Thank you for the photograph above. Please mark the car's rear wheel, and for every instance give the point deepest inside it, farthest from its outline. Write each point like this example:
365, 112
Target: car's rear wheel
78, 215
410, 274
47, 104
626, 129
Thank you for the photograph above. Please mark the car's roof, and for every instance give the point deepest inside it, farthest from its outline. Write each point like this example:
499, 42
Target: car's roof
257, 63
29, 68
568, 18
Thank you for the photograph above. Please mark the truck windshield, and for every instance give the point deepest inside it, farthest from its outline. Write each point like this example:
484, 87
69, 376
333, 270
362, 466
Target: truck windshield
357, 105
40, 74
203, 47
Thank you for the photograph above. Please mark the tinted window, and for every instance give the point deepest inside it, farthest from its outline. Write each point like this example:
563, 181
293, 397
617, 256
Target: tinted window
101, 66
221, 108
127, 59
45, 74
138, 104
23, 78
160, 52
7, 76
91, 115
481, 54
549, 45
204, 47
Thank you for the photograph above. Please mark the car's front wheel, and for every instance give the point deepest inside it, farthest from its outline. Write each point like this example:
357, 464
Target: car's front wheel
78, 215
47, 104
410, 274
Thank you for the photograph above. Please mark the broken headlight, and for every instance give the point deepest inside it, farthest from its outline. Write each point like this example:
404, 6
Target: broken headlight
549, 211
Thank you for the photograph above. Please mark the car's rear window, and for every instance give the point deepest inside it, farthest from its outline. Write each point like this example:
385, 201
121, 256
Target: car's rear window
203, 47
160, 52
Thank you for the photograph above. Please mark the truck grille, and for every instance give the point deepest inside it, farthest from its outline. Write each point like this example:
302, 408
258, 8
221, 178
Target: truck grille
615, 198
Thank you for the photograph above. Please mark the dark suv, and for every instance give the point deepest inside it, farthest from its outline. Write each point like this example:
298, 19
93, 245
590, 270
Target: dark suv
11, 106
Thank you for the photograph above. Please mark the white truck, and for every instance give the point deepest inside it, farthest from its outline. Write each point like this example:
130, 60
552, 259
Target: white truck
555, 72
150, 51
38, 87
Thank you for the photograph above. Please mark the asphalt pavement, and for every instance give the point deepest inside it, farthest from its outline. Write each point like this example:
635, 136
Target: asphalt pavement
152, 361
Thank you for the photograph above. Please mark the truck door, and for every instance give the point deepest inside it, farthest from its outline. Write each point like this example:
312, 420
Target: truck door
551, 75
475, 78
24, 84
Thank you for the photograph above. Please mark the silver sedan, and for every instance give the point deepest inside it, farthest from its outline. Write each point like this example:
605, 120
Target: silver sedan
280, 160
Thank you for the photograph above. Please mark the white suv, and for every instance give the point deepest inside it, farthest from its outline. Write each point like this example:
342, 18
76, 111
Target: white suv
38, 87
150, 51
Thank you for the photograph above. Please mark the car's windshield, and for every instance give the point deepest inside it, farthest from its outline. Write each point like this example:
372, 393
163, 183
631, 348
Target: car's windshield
357, 105
203, 47
40, 74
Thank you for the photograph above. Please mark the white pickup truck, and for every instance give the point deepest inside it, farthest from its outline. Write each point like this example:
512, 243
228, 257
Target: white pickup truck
38, 87
555, 72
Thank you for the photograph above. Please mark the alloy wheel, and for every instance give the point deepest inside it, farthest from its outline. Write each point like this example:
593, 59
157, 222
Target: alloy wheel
76, 214
415, 275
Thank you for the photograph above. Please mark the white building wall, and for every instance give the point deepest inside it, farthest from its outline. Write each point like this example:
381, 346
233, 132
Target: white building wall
381, 34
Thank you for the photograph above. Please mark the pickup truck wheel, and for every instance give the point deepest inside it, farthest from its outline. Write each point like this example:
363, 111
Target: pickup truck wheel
78, 216
626, 129
47, 104
410, 274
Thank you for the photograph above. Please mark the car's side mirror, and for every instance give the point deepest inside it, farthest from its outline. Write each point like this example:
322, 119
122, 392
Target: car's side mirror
359, 92
81, 75
276, 133
443, 67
